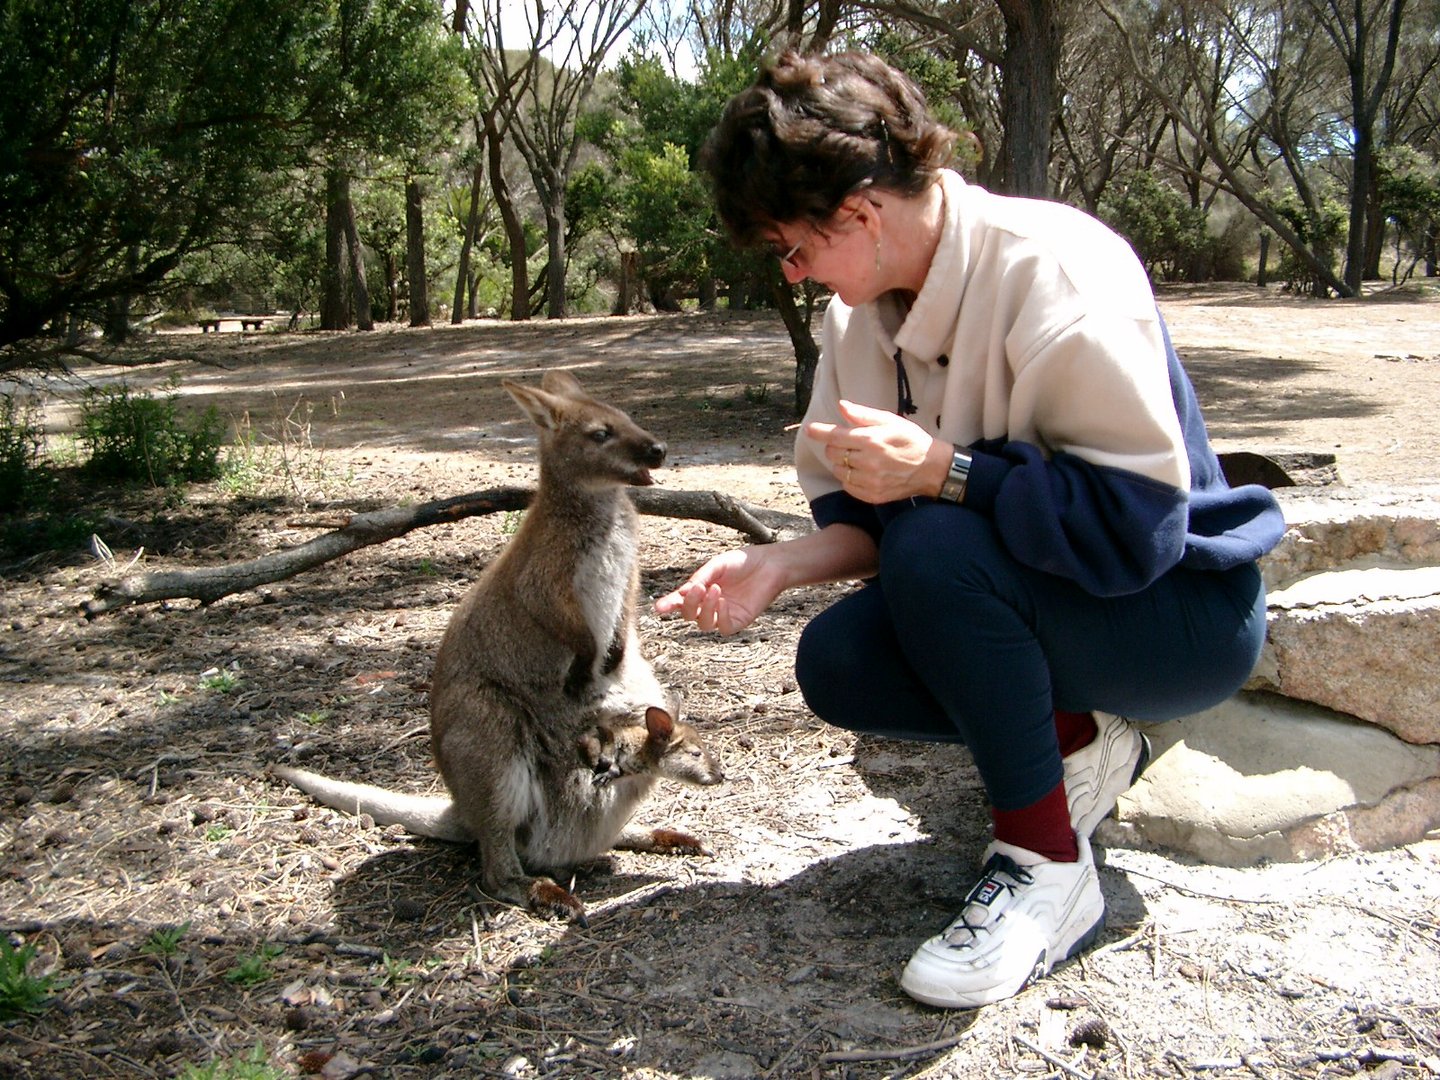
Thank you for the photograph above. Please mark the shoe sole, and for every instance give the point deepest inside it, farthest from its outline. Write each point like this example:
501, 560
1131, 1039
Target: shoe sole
1042, 967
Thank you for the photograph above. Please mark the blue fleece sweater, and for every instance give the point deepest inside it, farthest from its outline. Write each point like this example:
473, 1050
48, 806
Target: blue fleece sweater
1036, 343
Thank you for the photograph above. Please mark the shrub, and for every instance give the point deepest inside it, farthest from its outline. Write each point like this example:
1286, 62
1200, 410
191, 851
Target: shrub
20, 440
1322, 230
132, 435
1167, 233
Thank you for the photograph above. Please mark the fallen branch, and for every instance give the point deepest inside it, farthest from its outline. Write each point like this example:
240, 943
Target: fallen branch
350, 532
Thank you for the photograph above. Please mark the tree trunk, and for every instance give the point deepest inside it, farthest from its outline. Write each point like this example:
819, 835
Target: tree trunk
1362, 181
807, 353
1028, 93
1262, 276
334, 311
462, 271
360, 291
415, 253
392, 286
627, 292
117, 311
510, 217
555, 307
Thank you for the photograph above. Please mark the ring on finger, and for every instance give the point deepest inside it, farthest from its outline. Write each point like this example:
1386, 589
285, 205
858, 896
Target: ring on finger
846, 459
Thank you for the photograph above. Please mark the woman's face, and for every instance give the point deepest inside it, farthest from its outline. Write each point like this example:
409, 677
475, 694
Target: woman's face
839, 255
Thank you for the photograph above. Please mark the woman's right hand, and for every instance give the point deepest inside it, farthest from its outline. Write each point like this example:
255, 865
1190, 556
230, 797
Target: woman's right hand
729, 592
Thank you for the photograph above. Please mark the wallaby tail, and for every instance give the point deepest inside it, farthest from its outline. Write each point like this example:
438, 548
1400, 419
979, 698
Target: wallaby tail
434, 816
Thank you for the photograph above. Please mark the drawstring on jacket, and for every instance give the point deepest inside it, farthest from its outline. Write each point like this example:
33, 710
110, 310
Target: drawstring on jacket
905, 403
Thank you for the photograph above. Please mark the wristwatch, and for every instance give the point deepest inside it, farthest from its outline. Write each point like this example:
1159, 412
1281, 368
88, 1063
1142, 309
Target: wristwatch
953, 489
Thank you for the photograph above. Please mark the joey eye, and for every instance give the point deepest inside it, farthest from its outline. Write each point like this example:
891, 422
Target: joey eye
602, 435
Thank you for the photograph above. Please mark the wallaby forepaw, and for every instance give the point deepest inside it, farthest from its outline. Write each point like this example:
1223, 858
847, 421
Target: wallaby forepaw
552, 901
675, 842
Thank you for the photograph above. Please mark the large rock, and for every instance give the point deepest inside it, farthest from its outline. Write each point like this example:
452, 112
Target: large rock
1263, 777
1354, 598
1339, 753
1361, 641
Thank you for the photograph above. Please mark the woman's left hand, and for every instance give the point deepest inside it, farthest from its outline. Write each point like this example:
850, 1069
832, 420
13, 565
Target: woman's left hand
882, 457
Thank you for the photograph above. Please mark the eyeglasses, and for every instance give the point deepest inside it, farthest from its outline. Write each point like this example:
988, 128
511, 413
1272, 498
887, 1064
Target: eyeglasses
787, 258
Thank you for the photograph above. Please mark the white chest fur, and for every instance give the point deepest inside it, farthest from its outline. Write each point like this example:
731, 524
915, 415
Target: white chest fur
602, 580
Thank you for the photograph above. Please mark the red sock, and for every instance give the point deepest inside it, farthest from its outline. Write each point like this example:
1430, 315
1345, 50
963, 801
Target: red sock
1042, 827
1075, 729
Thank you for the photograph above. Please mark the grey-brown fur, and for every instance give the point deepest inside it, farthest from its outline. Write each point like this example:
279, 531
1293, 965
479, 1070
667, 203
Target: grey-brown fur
660, 746
542, 645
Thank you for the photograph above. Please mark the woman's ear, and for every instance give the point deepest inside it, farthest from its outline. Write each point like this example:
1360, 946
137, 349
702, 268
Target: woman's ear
867, 214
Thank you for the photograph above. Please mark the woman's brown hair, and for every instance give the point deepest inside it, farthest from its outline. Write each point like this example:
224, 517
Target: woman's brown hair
813, 129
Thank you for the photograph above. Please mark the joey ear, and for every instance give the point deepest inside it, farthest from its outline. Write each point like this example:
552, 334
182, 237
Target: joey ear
542, 408
559, 381
659, 724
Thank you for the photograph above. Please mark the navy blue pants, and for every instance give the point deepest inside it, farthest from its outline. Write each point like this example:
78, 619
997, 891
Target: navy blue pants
955, 641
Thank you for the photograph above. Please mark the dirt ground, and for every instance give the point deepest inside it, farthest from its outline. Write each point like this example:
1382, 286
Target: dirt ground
192, 910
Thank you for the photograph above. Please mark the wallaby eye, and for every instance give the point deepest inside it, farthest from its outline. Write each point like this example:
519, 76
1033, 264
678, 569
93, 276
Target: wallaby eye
602, 435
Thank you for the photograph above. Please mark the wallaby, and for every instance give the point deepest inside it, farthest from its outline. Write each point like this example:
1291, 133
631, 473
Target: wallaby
539, 652
619, 747
578, 806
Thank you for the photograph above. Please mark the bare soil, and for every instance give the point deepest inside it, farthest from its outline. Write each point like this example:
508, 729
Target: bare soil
191, 909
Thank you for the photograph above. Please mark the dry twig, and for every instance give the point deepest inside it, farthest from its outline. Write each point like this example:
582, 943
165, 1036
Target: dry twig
210, 583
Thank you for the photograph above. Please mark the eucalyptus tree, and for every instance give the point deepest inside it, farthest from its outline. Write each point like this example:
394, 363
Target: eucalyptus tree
1278, 92
115, 164
543, 88
386, 85
498, 87
1365, 37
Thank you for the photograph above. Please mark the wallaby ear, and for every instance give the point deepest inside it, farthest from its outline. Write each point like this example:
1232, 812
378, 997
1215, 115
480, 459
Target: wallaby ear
542, 408
560, 381
659, 724
675, 703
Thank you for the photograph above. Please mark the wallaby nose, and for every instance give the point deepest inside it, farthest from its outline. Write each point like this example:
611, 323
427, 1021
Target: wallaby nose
654, 454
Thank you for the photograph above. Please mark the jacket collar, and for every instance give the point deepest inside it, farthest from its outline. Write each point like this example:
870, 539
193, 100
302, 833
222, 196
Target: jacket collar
928, 329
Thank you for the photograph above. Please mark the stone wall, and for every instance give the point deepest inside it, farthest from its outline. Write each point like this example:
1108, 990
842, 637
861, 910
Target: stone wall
1334, 746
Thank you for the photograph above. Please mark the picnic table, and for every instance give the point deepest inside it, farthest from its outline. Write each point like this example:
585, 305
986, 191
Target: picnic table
247, 322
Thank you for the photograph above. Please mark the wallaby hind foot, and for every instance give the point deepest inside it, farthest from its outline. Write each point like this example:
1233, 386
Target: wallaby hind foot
661, 842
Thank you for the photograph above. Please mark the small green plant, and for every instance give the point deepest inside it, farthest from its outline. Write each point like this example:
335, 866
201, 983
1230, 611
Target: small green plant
279, 456
314, 718
757, 393
21, 994
510, 521
254, 968
396, 971
220, 680
132, 435
427, 568
252, 1065
165, 940
215, 833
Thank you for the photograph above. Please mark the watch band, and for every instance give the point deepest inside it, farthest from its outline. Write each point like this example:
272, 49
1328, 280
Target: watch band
953, 489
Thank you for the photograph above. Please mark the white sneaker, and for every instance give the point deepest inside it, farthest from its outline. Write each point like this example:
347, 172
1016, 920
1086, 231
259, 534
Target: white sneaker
1024, 916
1097, 775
